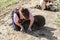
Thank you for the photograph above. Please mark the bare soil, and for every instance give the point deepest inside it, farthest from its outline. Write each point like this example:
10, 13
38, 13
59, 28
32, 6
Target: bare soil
49, 32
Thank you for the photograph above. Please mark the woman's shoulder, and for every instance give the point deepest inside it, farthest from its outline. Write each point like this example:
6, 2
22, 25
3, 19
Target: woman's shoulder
15, 14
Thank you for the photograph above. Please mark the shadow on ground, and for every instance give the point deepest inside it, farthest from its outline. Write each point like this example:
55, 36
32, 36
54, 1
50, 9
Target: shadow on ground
44, 32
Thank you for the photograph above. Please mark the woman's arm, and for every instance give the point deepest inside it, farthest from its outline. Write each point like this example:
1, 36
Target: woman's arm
21, 14
31, 20
19, 24
31, 23
16, 19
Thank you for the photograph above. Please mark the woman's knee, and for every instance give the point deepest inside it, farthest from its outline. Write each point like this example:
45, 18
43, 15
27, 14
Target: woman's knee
15, 27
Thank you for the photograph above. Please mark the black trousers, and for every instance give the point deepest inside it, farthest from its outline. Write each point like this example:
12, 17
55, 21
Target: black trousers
39, 22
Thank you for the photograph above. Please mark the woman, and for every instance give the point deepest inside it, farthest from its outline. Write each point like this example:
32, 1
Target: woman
22, 14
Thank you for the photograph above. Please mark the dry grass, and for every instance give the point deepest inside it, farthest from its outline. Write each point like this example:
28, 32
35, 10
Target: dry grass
7, 3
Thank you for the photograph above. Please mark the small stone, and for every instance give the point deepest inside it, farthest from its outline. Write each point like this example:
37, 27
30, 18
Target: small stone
0, 33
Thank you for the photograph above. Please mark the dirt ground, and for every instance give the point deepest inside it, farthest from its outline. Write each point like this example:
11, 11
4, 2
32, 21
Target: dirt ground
49, 32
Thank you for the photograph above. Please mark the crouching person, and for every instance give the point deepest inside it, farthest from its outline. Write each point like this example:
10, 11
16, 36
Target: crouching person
19, 15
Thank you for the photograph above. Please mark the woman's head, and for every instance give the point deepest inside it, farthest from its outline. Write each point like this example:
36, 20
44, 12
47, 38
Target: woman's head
16, 9
25, 12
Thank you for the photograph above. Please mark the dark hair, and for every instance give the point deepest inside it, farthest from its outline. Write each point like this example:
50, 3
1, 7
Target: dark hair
25, 13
